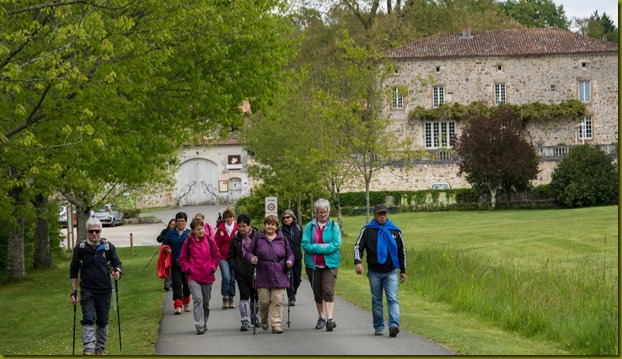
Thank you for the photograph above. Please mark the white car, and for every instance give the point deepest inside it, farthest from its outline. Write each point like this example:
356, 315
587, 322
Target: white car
441, 185
108, 215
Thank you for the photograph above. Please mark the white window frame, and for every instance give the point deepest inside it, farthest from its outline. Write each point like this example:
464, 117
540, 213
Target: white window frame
585, 129
439, 134
397, 99
499, 93
438, 96
584, 91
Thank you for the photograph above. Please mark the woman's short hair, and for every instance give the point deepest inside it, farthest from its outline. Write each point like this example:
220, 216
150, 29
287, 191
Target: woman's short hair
272, 219
244, 219
228, 213
321, 204
196, 223
200, 215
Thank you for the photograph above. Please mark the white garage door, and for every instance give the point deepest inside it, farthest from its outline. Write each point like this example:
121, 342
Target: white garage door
198, 181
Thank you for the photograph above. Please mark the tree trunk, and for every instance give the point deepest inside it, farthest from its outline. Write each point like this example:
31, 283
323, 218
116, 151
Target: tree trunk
366, 200
335, 193
16, 267
83, 216
299, 211
43, 253
493, 197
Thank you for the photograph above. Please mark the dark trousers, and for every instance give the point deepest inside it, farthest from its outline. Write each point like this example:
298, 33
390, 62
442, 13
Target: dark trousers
246, 290
297, 279
180, 283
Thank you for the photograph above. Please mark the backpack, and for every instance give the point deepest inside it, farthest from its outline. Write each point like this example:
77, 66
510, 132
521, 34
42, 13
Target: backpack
104, 242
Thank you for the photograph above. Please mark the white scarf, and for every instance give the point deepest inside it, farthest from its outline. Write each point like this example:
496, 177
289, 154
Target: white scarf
229, 228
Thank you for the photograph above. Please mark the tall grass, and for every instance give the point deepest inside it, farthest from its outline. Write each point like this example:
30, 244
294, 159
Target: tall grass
577, 307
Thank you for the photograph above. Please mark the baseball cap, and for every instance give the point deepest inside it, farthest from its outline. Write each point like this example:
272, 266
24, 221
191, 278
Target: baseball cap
380, 208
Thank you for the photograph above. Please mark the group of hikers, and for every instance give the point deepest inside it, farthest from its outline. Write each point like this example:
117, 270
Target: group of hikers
265, 264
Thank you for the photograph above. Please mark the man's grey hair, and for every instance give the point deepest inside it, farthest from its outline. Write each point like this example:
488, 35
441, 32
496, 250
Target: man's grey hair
321, 204
92, 221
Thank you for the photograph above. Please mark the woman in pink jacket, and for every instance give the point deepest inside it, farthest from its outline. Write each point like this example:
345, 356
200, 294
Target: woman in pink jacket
199, 259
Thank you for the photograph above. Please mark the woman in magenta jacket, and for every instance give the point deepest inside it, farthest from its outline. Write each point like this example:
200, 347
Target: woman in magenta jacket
225, 231
199, 259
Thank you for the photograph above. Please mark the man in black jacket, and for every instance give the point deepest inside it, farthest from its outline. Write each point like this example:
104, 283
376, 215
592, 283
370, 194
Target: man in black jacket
385, 255
94, 259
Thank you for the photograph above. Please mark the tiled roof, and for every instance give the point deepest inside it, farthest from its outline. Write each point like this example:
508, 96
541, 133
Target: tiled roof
503, 43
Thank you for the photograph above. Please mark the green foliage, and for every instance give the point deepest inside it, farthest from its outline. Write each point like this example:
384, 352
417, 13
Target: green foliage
585, 177
529, 112
599, 27
536, 13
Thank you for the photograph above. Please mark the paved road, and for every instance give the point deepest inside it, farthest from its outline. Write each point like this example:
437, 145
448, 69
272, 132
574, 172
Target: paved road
353, 335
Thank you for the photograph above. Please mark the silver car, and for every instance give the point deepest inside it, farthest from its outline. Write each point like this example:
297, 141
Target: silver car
109, 215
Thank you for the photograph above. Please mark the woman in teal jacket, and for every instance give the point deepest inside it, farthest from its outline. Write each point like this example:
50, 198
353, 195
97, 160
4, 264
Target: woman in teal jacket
321, 241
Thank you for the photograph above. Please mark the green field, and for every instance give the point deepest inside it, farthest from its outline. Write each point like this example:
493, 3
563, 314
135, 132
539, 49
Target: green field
481, 283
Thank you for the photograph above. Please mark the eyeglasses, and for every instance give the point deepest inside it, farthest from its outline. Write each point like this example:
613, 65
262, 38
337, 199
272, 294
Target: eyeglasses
287, 217
93, 231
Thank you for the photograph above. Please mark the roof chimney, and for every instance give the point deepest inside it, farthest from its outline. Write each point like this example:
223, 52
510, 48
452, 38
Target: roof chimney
466, 33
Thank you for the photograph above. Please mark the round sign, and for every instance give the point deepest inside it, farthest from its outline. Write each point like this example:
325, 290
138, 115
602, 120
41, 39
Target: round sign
271, 207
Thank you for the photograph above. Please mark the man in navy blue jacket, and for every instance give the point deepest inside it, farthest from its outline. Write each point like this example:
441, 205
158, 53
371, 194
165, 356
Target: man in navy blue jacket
94, 259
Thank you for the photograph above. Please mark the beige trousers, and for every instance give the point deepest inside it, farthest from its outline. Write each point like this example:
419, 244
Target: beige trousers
271, 303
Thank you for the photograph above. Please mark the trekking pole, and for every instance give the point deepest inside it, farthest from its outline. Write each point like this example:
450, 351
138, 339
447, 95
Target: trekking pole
255, 298
73, 350
156, 252
289, 274
116, 290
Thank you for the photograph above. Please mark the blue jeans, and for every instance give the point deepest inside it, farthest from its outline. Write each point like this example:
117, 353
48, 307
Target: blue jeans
227, 285
388, 282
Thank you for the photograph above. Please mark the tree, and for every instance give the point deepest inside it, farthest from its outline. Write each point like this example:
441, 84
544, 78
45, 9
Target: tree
494, 154
536, 13
99, 95
598, 27
585, 177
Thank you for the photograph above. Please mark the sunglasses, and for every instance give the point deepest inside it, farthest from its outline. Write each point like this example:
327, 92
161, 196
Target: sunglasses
92, 231
287, 217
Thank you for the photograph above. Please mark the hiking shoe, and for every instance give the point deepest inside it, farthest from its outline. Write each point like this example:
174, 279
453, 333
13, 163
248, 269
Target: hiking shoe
277, 330
245, 326
177, 310
321, 323
292, 303
201, 330
167, 288
264, 327
393, 331
330, 325
230, 303
88, 352
379, 331
225, 302
256, 322
187, 307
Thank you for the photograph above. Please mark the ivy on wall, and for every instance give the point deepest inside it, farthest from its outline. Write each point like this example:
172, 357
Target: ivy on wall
530, 112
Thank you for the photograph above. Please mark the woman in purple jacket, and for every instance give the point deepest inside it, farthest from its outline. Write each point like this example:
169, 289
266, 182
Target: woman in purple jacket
273, 257
199, 259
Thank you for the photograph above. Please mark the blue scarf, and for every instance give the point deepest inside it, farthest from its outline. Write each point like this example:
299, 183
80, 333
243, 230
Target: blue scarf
385, 242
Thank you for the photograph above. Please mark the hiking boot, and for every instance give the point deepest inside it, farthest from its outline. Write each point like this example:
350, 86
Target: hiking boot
201, 330
88, 352
230, 303
277, 330
393, 331
264, 326
292, 303
330, 325
167, 288
321, 323
245, 327
379, 331
100, 352
256, 322
177, 310
225, 302
187, 307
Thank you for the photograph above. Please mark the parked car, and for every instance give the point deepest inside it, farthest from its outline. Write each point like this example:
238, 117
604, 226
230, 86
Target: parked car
62, 216
441, 185
109, 215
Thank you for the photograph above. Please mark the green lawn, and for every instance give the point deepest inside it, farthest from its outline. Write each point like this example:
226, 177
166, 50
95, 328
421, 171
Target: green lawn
481, 283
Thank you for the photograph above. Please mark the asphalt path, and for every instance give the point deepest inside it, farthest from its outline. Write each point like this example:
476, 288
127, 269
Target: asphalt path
352, 336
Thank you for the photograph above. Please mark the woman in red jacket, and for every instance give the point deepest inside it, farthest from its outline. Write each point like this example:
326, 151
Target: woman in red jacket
199, 259
225, 231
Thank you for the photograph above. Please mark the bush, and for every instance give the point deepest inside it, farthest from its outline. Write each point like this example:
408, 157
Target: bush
585, 177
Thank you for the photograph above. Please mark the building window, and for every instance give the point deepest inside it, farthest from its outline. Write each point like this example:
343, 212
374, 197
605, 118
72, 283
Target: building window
585, 129
585, 92
438, 96
499, 68
584, 65
499, 93
437, 69
397, 100
553, 88
439, 134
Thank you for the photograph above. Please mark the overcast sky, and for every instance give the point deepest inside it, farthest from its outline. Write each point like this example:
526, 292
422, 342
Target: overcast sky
585, 8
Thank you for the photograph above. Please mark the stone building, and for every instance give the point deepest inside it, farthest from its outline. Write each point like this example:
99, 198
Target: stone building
515, 66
